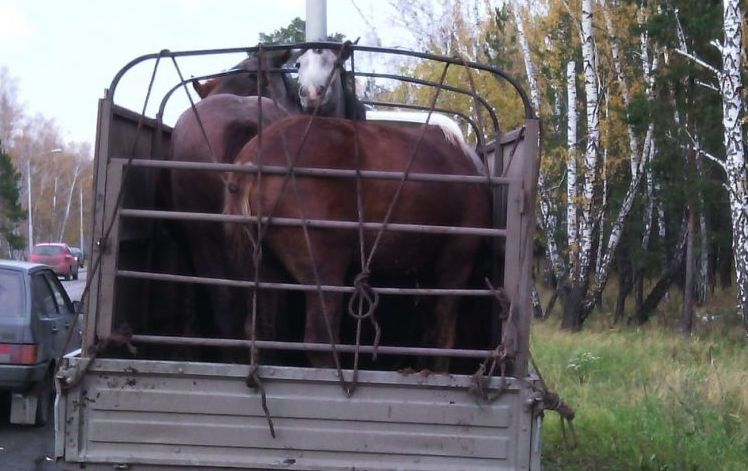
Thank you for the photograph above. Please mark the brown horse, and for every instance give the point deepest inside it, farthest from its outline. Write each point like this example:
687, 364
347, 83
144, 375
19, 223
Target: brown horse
243, 78
442, 261
214, 131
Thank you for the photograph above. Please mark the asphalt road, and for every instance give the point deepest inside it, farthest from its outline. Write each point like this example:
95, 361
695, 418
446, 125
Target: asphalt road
24, 447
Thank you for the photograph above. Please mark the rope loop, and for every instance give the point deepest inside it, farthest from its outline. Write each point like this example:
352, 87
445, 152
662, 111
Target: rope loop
364, 292
363, 305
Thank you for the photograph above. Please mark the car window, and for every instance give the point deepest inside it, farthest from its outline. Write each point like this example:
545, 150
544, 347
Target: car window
47, 250
12, 296
43, 301
54, 284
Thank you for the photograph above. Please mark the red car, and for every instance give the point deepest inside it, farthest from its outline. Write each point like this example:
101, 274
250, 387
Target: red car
58, 256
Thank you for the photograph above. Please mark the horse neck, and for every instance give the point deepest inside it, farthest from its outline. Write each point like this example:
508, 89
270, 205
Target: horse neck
348, 103
280, 90
341, 98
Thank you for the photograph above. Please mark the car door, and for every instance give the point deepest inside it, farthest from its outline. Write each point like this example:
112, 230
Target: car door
69, 335
45, 312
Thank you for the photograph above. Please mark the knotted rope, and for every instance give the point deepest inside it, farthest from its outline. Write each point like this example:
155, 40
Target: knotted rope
363, 304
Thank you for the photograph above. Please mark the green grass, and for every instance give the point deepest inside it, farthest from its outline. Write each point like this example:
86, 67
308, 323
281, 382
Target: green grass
646, 398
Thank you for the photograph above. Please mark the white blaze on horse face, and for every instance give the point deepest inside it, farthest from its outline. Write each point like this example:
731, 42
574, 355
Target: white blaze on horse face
315, 66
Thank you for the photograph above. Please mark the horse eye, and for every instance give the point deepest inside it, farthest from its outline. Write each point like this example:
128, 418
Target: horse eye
318, 51
297, 65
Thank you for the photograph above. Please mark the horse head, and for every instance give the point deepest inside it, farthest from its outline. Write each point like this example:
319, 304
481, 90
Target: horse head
325, 85
257, 73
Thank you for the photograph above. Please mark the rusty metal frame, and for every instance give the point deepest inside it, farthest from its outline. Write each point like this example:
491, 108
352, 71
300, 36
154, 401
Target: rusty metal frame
520, 183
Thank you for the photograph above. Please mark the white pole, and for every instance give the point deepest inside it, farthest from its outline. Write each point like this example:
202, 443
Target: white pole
316, 20
28, 183
31, 223
80, 192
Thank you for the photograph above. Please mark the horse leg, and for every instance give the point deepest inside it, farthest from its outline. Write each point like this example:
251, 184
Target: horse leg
224, 310
271, 308
454, 268
323, 310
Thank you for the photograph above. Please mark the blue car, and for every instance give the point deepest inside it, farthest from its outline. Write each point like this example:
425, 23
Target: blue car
38, 323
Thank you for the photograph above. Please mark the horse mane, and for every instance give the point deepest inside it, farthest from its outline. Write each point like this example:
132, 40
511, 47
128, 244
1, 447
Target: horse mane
455, 137
354, 109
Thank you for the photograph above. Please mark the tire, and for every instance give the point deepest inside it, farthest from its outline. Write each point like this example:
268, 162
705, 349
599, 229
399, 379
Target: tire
43, 391
69, 274
75, 275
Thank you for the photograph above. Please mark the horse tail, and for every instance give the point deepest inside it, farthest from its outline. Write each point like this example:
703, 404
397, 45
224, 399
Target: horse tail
236, 203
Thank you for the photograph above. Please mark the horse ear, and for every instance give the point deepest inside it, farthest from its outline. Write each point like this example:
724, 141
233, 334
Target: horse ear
347, 50
280, 57
204, 89
199, 88
295, 54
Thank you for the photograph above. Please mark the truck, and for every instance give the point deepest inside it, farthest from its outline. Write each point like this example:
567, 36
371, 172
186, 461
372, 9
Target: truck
137, 397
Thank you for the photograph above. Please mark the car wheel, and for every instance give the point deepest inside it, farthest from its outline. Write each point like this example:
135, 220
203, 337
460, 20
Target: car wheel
43, 391
75, 275
69, 274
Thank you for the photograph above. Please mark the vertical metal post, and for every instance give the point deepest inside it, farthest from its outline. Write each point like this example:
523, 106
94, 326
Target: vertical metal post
316, 20
80, 204
31, 224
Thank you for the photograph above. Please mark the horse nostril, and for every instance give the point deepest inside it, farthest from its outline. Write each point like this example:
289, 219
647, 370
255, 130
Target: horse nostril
302, 92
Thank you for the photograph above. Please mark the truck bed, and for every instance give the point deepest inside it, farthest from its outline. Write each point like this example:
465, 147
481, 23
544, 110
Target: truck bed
208, 417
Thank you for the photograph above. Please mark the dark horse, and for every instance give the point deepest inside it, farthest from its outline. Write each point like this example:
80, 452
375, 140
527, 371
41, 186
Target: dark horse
214, 131
334, 143
243, 78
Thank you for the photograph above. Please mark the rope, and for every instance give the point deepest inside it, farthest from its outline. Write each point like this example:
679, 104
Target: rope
553, 401
121, 338
365, 296
501, 354
253, 381
291, 177
406, 173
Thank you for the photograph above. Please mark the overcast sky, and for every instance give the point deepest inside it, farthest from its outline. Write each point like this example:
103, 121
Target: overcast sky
65, 53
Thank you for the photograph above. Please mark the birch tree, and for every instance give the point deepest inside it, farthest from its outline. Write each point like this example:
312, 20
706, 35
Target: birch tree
733, 164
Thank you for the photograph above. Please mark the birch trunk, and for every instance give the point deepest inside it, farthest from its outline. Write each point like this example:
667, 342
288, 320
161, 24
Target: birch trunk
730, 87
593, 140
571, 171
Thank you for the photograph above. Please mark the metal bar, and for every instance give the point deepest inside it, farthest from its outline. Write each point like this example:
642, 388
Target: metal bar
499, 74
478, 132
463, 116
298, 287
429, 83
311, 347
313, 223
317, 172
226, 73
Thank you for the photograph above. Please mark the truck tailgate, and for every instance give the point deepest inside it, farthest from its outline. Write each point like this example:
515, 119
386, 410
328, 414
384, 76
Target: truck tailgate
142, 414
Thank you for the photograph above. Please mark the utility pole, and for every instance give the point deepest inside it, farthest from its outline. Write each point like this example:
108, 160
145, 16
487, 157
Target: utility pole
80, 204
28, 188
316, 20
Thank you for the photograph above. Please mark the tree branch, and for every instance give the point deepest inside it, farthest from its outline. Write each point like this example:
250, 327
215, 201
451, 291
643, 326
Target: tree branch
700, 62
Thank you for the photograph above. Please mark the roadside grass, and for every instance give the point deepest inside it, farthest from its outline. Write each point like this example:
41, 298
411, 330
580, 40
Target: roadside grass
647, 398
